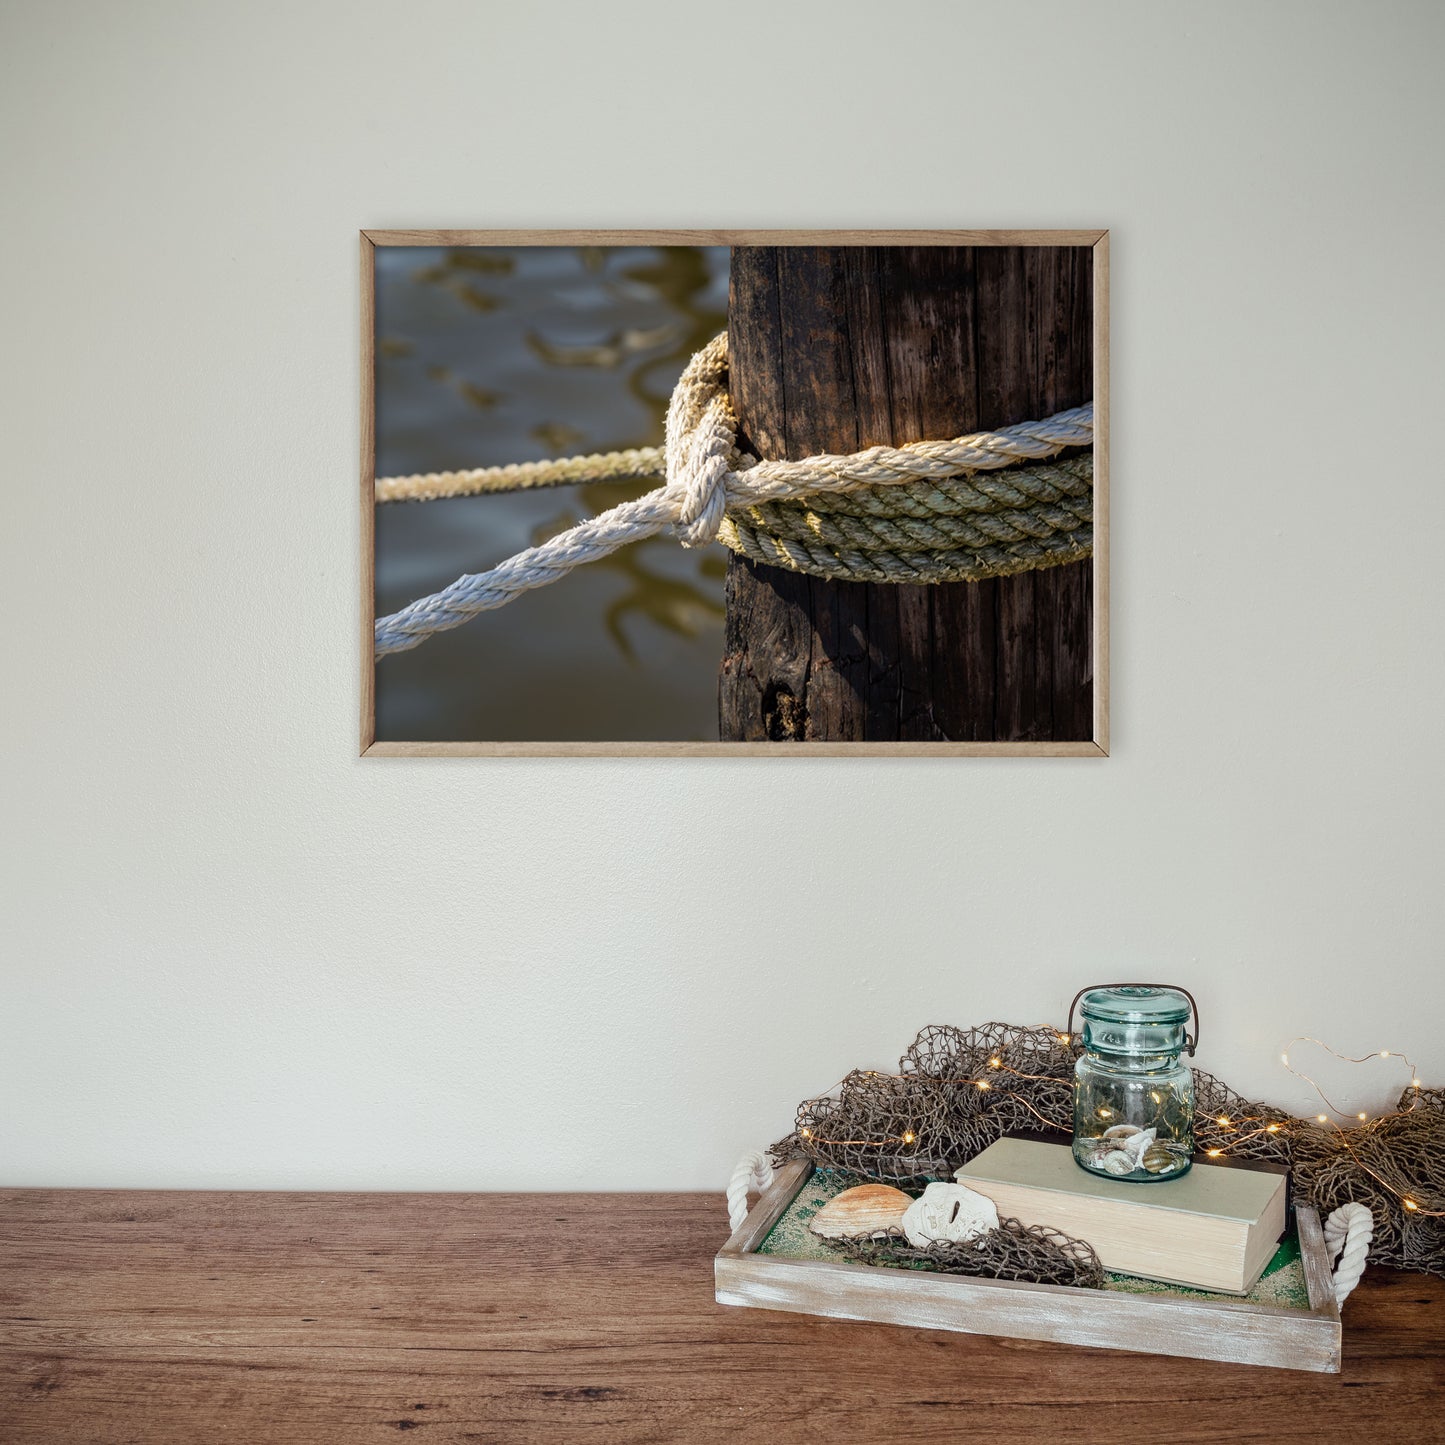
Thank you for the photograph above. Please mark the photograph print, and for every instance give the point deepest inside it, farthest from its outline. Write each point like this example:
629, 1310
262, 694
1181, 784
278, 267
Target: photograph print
712, 492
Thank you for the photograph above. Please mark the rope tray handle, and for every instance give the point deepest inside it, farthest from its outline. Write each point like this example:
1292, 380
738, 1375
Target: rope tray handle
1348, 1232
754, 1172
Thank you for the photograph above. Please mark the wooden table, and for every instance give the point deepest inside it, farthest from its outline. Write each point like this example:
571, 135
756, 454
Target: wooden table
151, 1318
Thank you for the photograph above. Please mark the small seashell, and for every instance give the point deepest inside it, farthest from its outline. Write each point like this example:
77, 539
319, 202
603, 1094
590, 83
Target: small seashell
1158, 1160
861, 1213
1136, 1146
1118, 1162
948, 1212
1120, 1131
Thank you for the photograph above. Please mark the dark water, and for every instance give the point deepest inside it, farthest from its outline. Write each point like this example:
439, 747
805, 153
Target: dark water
492, 355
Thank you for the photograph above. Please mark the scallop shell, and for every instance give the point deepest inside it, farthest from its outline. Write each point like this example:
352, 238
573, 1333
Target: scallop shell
948, 1212
861, 1212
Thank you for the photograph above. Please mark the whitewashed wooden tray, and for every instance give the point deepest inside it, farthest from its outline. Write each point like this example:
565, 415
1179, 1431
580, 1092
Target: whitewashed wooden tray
1205, 1327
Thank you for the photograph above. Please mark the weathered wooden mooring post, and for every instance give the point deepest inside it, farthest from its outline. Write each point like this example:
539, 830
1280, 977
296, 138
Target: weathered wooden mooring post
833, 349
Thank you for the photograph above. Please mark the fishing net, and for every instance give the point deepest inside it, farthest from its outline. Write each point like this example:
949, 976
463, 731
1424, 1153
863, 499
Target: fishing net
958, 1090
1031, 1252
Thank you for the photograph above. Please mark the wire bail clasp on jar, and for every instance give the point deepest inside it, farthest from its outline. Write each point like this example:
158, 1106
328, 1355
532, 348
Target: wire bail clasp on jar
1190, 1040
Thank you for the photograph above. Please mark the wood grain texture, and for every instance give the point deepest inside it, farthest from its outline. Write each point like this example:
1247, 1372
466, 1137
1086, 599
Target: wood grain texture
731, 237
1319, 1280
1101, 493
1048, 1313
367, 639
171, 1319
731, 750
837, 348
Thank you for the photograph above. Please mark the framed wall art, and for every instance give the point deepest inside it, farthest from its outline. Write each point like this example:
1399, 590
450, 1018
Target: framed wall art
735, 491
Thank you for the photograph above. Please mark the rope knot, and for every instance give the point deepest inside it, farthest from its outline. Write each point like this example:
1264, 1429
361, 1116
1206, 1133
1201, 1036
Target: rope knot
701, 443
920, 512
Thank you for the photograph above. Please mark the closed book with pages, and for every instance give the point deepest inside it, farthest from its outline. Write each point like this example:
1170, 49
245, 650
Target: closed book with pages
1215, 1228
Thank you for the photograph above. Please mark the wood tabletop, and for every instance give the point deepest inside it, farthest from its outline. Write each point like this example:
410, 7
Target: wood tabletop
151, 1318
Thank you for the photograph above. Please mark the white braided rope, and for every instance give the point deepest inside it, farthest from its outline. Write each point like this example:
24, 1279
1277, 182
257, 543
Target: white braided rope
1348, 1232
754, 1171
707, 475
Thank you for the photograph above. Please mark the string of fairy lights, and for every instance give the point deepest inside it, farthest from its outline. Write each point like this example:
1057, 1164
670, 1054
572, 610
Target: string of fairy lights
1332, 1118
1230, 1123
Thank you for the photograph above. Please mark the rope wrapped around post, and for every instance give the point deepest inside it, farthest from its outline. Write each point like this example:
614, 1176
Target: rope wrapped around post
926, 512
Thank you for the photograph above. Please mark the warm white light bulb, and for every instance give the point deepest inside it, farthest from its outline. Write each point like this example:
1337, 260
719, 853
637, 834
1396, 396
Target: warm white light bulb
1324, 1119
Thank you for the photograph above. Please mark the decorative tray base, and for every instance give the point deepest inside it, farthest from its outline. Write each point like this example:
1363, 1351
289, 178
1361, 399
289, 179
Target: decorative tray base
1289, 1320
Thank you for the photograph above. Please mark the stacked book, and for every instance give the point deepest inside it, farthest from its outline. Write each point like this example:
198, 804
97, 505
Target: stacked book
1215, 1228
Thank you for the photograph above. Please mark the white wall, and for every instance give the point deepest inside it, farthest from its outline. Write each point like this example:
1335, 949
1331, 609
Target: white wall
237, 955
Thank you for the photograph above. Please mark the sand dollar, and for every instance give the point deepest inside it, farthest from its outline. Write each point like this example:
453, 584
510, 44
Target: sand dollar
948, 1212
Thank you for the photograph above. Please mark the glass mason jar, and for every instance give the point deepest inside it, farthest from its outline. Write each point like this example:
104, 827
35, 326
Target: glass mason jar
1133, 1095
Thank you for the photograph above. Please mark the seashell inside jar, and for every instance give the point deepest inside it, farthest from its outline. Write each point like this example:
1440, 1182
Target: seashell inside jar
1129, 1152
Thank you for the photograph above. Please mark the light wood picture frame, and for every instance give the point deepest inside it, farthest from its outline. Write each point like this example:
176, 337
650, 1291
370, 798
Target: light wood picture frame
1092, 740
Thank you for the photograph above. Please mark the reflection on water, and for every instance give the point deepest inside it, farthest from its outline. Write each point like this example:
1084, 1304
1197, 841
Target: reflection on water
493, 355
